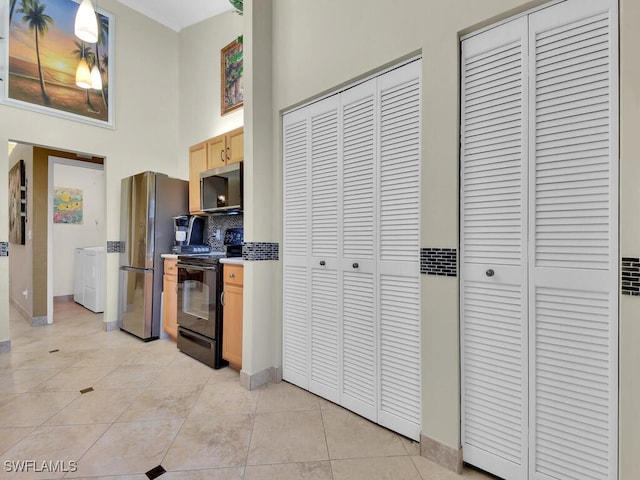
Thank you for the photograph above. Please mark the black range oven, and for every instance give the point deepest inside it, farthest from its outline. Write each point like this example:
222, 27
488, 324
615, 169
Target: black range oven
199, 308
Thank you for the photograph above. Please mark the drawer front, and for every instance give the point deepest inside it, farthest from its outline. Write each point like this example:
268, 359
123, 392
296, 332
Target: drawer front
170, 266
233, 274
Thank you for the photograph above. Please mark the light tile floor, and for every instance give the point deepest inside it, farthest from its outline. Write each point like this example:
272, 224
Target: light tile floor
152, 405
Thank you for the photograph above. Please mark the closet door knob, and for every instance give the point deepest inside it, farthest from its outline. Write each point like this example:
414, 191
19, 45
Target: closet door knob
322, 263
355, 265
490, 273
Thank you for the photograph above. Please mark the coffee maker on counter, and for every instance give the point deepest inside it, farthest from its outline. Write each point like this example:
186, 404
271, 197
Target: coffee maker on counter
189, 234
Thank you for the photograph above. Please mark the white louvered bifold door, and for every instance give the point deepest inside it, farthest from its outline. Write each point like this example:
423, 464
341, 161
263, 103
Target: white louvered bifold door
351, 250
567, 261
296, 248
359, 245
399, 93
492, 252
325, 234
573, 241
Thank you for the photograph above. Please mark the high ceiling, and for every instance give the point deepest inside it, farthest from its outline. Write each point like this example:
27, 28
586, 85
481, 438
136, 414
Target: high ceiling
178, 14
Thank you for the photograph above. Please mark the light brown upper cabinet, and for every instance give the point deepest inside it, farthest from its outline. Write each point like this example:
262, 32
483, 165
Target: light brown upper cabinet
225, 149
216, 152
235, 145
213, 153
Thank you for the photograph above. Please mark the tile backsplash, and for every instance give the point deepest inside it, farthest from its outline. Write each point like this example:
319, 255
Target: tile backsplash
220, 223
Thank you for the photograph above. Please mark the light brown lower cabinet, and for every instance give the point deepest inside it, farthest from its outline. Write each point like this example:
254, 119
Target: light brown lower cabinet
170, 297
232, 315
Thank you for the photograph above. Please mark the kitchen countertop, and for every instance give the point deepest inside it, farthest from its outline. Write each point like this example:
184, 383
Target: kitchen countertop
232, 260
169, 255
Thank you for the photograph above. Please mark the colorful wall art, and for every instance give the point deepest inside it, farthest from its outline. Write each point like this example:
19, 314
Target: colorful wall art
44, 55
231, 69
17, 203
67, 205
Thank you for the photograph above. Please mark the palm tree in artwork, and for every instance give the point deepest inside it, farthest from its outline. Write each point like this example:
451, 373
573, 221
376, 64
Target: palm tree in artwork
105, 66
103, 35
38, 21
12, 7
84, 51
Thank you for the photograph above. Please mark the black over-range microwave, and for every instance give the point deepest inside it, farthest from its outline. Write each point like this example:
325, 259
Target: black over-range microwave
221, 189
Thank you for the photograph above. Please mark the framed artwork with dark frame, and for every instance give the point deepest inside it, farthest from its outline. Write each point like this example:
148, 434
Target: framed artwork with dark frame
17, 203
43, 56
231, 77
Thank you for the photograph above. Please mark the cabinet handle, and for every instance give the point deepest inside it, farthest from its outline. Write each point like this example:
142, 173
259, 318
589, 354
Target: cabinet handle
222, 156
490, 273
222, 299
228, 153
232, 275
322, 263
355, 265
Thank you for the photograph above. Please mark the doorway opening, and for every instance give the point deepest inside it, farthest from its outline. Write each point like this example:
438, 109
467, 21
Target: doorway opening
42, 267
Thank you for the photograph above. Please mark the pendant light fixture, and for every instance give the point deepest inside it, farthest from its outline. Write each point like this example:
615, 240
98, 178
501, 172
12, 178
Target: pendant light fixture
96, 78
86, 25
83, 75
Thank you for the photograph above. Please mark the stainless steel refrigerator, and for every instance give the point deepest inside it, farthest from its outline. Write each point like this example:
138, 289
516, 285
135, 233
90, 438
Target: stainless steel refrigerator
149, 202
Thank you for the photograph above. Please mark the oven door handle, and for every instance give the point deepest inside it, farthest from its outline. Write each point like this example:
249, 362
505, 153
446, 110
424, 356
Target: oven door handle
198, 268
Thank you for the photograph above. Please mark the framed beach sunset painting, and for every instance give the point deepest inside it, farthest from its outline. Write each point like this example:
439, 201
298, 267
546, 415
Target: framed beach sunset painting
42, 57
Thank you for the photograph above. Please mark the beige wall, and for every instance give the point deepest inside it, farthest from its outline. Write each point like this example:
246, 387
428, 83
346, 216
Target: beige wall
199, 79
167, 97
366, 36
66, 237
145, 135
20, 260
629, 237
262, 220
318, 46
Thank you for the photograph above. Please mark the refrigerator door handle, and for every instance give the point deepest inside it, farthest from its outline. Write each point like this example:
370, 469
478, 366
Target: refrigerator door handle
134, 269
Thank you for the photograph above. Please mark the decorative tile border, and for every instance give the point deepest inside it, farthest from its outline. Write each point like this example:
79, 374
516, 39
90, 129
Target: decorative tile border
4, 249
439, 261
254, 251
630, 276
115, 246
